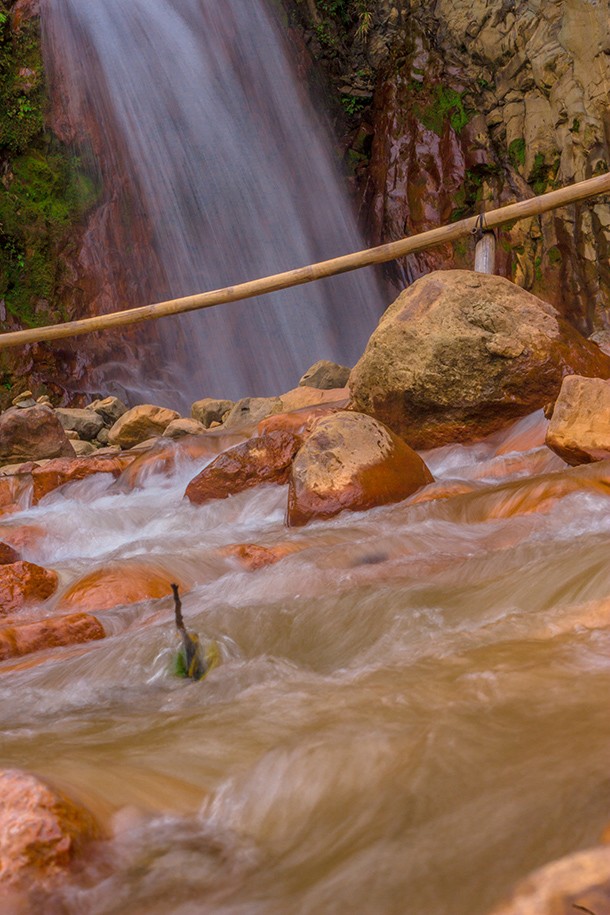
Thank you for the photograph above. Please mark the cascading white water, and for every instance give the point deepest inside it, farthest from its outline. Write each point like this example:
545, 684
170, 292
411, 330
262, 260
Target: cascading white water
220, 172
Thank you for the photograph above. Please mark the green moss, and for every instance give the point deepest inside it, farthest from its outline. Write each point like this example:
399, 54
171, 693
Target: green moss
516, 152
543, 173
445, 105
21, 84
44, 192
554, 255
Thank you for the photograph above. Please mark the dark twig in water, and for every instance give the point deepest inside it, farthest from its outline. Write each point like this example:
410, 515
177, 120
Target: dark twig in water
194, 664
582, 908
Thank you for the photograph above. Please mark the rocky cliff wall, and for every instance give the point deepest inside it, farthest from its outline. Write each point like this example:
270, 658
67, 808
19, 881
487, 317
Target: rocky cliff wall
45, 196
456, 104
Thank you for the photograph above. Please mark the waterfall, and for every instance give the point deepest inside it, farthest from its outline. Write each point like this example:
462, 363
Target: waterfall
215, 171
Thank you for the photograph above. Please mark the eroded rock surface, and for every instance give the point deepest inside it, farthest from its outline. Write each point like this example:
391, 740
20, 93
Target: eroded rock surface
23, 583
265, 459
31, 434
460, 354
579, 882
579, 431
41, 830
351, 461
139, 424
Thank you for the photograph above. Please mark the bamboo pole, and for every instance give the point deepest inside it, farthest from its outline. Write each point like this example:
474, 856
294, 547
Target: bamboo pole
380, 255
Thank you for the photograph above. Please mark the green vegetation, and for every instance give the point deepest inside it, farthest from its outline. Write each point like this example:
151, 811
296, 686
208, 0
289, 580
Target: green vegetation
352, 104
47, 194
554, 255
342, 16
516, 152
43, 192
445, 105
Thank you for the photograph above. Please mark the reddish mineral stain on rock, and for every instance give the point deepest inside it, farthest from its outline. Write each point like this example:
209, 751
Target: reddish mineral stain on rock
67, 470
22, 583
265, 459
253, 556
41, 830
16, 641
120, 583
351, 461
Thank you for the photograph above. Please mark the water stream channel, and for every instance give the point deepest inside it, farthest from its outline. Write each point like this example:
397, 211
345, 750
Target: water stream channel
410, 713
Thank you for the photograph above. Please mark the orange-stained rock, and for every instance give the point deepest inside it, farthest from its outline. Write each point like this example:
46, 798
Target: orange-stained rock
351, 461
253, 556
139, 424
265, 459
442, 490
303, 396
576, 883
23, 537
163, 457
54, 632
118, 583
8, 554
15, 489
41, 830
460, 354
23, 583
299, 422
67, 470
579, 430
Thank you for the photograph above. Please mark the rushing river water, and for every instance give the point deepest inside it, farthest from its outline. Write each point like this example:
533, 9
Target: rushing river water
411, 710
216, 170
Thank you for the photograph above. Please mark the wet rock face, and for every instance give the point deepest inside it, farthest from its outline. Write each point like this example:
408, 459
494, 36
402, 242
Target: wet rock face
579, 431
32, 434
265, 459
73, 629
459, 354
480, 103
351, 461
23, 583
41, 830
579, 882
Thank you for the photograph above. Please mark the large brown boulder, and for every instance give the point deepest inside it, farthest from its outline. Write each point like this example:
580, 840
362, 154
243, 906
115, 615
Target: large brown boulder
32, 434
579, 882
23, 583
460, 354
139, 424
579, 431
351, 461
41, 830
265, 459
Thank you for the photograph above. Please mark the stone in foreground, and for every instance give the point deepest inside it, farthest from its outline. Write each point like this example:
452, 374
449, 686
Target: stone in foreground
210, 410
32, 434
265, 459
23, 583
579, 882
41, 830
139, 424
25, 638
325, 374
351, 461
460, 354
579, 431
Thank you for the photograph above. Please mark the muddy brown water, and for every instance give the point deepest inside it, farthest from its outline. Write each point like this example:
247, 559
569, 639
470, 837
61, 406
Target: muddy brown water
411, 712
